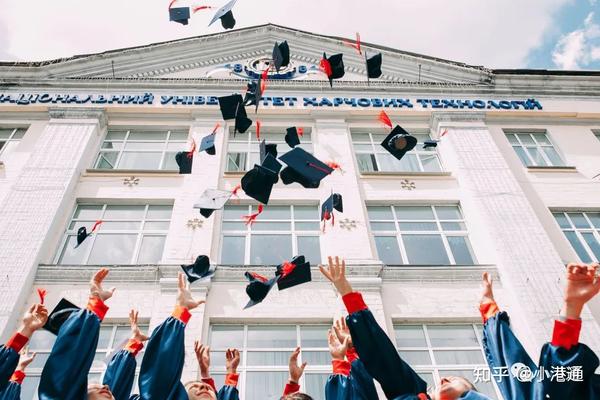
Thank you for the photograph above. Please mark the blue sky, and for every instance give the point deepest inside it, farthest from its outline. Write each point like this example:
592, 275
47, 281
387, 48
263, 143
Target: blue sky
549, 34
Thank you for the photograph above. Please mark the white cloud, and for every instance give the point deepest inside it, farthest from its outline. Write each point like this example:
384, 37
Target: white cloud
579, 48
472, 31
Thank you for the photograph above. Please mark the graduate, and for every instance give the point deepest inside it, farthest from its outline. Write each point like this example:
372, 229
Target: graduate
503, 349
377, 352
35, 318
13, 390
292, 387
205, 389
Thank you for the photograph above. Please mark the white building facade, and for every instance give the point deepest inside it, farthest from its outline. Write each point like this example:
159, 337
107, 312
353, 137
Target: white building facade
512, 188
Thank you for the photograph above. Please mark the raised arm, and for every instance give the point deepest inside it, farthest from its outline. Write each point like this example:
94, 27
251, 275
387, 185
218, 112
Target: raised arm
296, 371
162, 365
65, 373
338, 386
13, 390
374, 347
120, 373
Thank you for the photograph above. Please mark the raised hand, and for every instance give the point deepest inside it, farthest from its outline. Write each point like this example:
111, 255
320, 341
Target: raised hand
35, 318
336, 274
25, 359
136, 333
582, 286
96, 289
184, 295
203, 357
232, 360
337, 349
487, 292
296, 370
342, 332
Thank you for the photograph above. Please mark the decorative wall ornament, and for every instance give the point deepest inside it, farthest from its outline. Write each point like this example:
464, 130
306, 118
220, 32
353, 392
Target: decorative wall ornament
131, 181
407, 185
348, 224
195, 223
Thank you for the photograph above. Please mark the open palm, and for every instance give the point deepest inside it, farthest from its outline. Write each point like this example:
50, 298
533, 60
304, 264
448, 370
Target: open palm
582, 283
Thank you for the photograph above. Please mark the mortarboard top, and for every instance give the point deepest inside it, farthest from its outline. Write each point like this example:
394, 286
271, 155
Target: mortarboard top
258, 288
258, 183
291, 137
242, 122
211, 200
334, 202
179, 14
229, 105
399, 142
208, 144
270, 148
430, 143
200, 269
272, 164
336, 63
294, 273
185, 162
374, 66
81, 235
281, 55
59, 315
225, 15
303, 168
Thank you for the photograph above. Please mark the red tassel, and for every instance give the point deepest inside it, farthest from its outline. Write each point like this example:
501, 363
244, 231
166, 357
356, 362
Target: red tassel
287, 269
250, 219
96, 225
300, 131
42, 294
235, 190
333, 165
193, 149
325, 66
198, 8
258, 124
258, 277
444, 133
385, 119
319, 168
263, 81
217, 126
326, 216
355, 45
171, 3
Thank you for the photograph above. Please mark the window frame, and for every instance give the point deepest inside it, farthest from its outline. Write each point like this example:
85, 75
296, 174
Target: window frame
595, 231
11, 138
539, 147
596, 133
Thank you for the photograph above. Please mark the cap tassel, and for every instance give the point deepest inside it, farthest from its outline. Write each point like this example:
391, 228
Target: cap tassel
300, 131
385, 119
287, 269
333, 165
444, 133
259, 277
171, 3
198, 8
96, 224
263, 82
42, 294
319, 168
325, 66
250, 219
235, 190
192, 150
216, 128
258, 125
326, 217
356, 45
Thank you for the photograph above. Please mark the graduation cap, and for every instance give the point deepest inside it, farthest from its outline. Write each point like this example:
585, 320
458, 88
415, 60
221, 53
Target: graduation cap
303, 168
258, 288
208, 144
258, 183
430, 143
374, 66
334, 202
229, 105
281, 55
59, 315
293, 273
333, 66
242, 122
180, 15
267, 148
254, 93
184, 160
200, 269
399, 142
291, 137
212, 200
83, 234
225, 15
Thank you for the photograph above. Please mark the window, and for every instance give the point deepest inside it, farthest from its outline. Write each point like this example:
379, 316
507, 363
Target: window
129, 234
279, 233
9, 139
112, 338
135, 149
372, 157
420, 235
535, 149
265, 351
243, 149
436, 350
582, 230
597, 133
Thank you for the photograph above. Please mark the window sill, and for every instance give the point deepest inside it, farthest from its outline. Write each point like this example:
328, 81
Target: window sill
552, 169
236, 174
130, 172
403, 174
438, 273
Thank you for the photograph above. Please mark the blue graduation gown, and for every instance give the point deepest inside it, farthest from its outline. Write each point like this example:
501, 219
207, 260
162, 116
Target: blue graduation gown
357, 386
11, 392
8, 363
120, 374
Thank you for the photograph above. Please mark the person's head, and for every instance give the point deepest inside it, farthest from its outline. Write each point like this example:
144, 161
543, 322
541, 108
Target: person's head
198, 390
451, 388
97, 391
297, 396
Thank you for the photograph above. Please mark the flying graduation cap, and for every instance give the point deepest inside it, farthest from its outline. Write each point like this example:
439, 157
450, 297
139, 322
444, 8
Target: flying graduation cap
303, 168
399, 142
292, 136
258, 288
258, 182
281, 55
232, 107
334, 202
185, 160
208, 144
200, 269
373, 65
266, 149
180, 15
225, 15
432, 143
212, 200
59, 316
83, 234
333, 67
293, 273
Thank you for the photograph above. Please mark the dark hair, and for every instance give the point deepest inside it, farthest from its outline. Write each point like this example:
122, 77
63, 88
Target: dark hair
297, 396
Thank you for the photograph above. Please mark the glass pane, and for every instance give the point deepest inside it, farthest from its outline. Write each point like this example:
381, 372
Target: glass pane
156, 226
235, 226
29, 386
431, 163
270, 249
458, 357
310, 247
522, 154
307, 226
107, 160
414, 213
541, 138
593, 244
235, 212
314, 336
562, 220
218, 359
418, 226
453, 226
159, 212
448, 212
162, 136
316, 358
116, 135
42, 340
88, 212
130, 160
236, 162
104, 337
151, 250
366, 162
112, 249
388, 250
39, 361
425, 250
410, 336
271, 336
265, 385
579, 220
315, 385
118, 226
578, 247
380, 213
388, 163
536, 156
5, 133
553, 156
124, 212
169, 162
271, 226
123, 334
526, 138
512, 138
595, 218
227, 336
19, 133
71, 255
416, 357
276, 212
158, 146
408, 163
233, 250
306, 212
428, 378
178, 135
361, 137
452, 335
112, 146
461, 250
383, 226
268, 358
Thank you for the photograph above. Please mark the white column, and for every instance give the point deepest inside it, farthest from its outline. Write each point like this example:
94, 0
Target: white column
28, 210
530, 268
